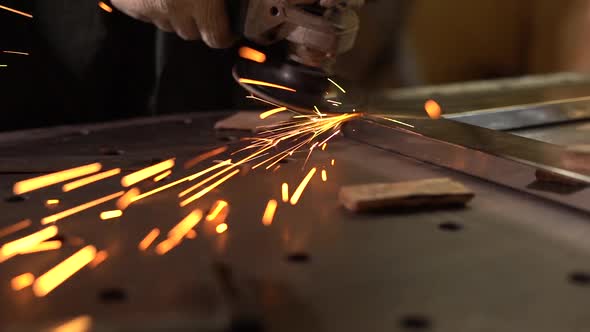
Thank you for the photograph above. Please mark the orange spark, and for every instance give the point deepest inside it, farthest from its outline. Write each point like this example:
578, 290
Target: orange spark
16, 11
324, 146
101, 256
208, 189
90, 179
324, 175
133, 178
79, 208
336, 85
216, 209
105, 7
221, 228
43, 246
124, 201
191, 234
162, 176
51, 202
333, 162
433, 109
28, 185
15, 227
262, 83
252, 54
62, 271
22, 281
192, 188
269, 212
24, 243
272, 112
15, 52
299, 191
204, 156
207, 170
185, 225
157, 190
166, 245
80, 323
148, 239
285, 192
106, 215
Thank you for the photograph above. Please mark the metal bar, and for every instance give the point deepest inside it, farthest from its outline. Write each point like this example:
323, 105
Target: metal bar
499, 157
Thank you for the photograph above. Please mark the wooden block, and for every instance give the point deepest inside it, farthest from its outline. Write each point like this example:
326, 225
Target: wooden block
421, 193
250, 121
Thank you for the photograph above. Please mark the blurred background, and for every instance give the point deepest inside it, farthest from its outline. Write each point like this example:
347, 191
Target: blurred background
87, 64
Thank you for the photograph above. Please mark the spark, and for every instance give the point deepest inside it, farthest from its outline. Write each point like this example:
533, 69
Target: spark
208, 189
336, 84
79, 208
90, 179
334, 102
204, 156
269, 212
16, 11
81, 323
185, 225
285, 192
106, 215
252, 54
324, 146
272, 112
221, 228
192, 188
148, 239
162, 176
133, 178
333, 162
105, 7
396, 121
432, 109
22, 281
216, 209
62, 271
101, 256
329, 138
43, 246
15, 52
15, 227
51, 202
299, 191
191, 234
262, 83
124, 201
324, 175
166, 245
29, 185
212, 168
14, 247
157, 190
3, 66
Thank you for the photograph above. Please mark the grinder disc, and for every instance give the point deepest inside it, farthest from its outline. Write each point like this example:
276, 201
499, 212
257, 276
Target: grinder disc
312, 87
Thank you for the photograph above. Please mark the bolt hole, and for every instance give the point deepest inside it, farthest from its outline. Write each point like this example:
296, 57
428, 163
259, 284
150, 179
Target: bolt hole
298, 257
15, 198
450, 226
112, 295
274, 11
580, 278
415, 323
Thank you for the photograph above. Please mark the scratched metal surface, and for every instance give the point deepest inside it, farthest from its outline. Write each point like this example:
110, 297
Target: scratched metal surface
503, 264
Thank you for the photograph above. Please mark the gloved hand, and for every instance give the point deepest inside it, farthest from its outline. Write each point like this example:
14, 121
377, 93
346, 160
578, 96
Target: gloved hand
190, 19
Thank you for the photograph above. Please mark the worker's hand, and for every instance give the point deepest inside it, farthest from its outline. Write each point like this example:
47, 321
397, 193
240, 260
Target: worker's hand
190, 19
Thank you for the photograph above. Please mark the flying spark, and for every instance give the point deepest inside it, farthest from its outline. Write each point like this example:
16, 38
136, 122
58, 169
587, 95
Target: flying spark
80, 208
51, 202
216, 210
29, 185
133, 178
299, 191
337, 85
62, 271
15, 52
43, 246
127, 198
252, 54
433, 109
15, 227
285, 192
22, 281
324, 175
205, 156
106, 215
269, 212
16, 11
185, 225
148, 239
333, 162
208, 189
78, 324
90, 179
162, 176
105, 7
14, 247
272, 112
262, 83
221, 228
101, 256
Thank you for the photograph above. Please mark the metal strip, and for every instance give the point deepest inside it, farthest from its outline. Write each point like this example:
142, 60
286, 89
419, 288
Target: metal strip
499, 157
